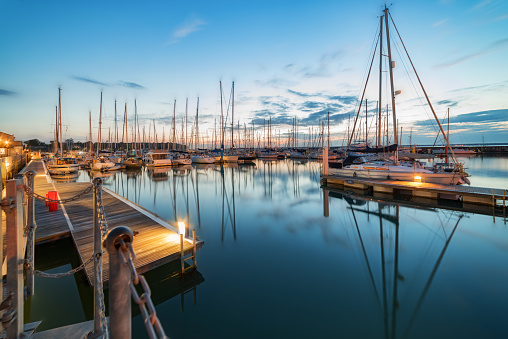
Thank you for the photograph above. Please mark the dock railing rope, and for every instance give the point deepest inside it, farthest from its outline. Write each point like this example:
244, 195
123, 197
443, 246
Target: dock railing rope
30, 192
20, 217
122, 285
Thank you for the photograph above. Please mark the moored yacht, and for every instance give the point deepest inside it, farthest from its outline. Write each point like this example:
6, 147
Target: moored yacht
157, 158
62, 166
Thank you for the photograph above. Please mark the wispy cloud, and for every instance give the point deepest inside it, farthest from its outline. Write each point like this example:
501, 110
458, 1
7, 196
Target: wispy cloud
449, 103
130, 84
6, 92
323, 68
481, 4
89, 80
439, 23
502, 17
186, 29
276, 82
475, 118
492, 47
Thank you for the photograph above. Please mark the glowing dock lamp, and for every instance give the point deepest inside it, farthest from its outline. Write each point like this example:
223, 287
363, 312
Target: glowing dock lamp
181, 227
418, 178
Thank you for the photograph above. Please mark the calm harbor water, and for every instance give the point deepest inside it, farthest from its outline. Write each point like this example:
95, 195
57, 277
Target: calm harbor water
274, 266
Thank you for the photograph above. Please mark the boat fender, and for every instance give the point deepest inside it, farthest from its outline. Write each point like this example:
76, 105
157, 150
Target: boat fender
354, 174
388, 177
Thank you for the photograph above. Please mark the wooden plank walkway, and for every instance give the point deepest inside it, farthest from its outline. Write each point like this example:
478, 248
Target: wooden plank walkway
50, 225
155, 242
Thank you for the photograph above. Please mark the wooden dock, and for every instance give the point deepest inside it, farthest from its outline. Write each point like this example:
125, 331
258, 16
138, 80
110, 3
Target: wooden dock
474, 198
155, 242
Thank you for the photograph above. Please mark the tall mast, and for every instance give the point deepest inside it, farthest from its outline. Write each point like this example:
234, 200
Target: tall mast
197, 128
186, 106
91, 143
366, 125
328, 130
221, 124
380, 79
116, 129
135, 119
60, 118
233, 116
174, 125
100, 127
126, 132
395, 135
55, 143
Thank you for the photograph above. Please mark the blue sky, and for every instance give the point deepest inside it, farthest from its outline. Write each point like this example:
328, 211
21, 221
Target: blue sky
287, 59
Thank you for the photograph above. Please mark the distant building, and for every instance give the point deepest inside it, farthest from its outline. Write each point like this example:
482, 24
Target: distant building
9, 146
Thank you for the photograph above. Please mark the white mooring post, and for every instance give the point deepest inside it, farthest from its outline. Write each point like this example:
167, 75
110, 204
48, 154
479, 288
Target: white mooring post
14, 254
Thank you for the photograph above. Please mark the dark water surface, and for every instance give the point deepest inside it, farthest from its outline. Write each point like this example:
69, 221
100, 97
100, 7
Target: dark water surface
273, 266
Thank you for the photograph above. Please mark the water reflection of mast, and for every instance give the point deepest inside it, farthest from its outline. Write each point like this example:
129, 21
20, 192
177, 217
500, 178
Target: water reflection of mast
431, 278
390, 330
225, 200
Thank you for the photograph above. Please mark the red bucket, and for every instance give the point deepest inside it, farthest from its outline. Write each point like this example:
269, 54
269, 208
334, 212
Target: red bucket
53, 195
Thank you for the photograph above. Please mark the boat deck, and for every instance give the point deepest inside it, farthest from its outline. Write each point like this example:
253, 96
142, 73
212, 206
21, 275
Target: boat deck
155, 242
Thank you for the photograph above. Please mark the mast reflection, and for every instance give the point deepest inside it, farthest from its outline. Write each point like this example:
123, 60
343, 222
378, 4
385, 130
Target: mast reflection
388, 294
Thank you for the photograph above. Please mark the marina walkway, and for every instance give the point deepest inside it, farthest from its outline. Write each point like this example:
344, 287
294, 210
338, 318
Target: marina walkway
469, 196
155, 242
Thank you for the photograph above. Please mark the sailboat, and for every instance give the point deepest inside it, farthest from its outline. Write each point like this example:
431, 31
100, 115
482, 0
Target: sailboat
200, 158
61, 165
102, 163
223, 157
393, 169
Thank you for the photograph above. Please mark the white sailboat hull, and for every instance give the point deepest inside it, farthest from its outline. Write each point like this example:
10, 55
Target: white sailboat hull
398, 173
63, 169
199, 159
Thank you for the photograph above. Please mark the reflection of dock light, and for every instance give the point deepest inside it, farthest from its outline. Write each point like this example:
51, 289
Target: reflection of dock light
181, 227
418, 178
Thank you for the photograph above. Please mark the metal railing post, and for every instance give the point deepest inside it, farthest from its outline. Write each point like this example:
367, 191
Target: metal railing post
119, 283
31, 226
97, 330
14, 254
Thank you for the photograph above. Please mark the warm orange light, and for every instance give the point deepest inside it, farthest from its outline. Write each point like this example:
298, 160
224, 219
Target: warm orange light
181, 227
418, 178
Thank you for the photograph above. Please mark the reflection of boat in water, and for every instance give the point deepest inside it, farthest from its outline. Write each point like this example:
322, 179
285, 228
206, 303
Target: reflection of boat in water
101, 174
73, 177
182, 170
159, 173
203, 165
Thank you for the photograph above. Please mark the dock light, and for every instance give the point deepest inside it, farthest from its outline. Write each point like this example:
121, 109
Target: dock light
181, 227
418, 178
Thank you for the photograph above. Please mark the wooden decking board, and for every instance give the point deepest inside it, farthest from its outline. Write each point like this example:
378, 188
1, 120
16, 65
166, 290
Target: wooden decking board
447, 189
154, 244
